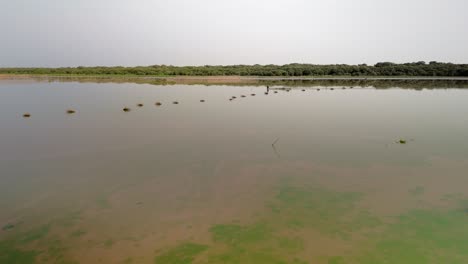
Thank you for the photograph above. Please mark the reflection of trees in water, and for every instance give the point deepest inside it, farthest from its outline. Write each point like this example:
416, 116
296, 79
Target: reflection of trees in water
272, 83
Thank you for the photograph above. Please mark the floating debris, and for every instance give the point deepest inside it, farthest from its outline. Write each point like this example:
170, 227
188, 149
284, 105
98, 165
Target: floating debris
252, 94
140, 105
175, 102
126, 109
303, 90
26, 115
70, 111
275, 91
274, 148
332, 89
202, 101
318, 89
344, 88
402, 141
242, 96
266, 93
158, 103
234, 97
8, 227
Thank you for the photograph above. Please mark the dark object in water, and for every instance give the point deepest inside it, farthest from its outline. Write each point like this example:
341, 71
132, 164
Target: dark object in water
351, 87
70, 111
266, 93
402, 141
303, 90
8, 227
126, 109
344, 88
26, 115
318, 89
158, 103
202, 101
175, 102
242, 95
252, 94
275, 91
230, 99
234, 97
332, 89
140, 105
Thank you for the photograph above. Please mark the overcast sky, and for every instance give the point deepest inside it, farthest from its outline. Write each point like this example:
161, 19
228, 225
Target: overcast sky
197, 32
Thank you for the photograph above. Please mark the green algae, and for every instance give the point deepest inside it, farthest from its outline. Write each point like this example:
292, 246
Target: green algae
237, 234
255, 243
182, 254
68, 219
109, 243
35, 234
292, 244
294, 209
13, 250
336, 260
128, 260
56, 253
77, 233
8, 227
103, 203
9, 253
330, 212
417, 191
423, 236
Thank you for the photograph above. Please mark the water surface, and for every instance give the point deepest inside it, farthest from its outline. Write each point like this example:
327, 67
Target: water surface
202, 182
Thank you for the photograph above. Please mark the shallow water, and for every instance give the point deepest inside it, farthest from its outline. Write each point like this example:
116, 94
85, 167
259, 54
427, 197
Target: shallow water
201, 182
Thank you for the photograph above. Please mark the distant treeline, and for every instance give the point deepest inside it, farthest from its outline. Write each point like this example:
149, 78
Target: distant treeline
380, 69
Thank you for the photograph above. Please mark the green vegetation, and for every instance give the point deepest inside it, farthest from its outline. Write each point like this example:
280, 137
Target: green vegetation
35, 234
423, 236
254, 243
109, 243
8, 227
294, 210
417, 191
380, 69
10, 254
182, 254
11, 250
77, 233
236, 234
332, 213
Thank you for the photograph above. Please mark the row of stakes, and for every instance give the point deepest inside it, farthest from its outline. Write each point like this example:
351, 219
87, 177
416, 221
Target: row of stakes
126, 109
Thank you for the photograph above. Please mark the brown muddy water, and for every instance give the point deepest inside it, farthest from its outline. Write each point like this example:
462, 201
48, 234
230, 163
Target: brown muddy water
360, 175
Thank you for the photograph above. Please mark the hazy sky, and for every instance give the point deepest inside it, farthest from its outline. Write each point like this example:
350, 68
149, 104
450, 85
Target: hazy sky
199, 32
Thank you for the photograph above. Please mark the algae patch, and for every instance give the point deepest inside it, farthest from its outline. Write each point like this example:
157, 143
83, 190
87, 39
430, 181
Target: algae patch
417, 191
9, 253
423, 236
256, 243
35, 234
330, 212
236, 234
182, 254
